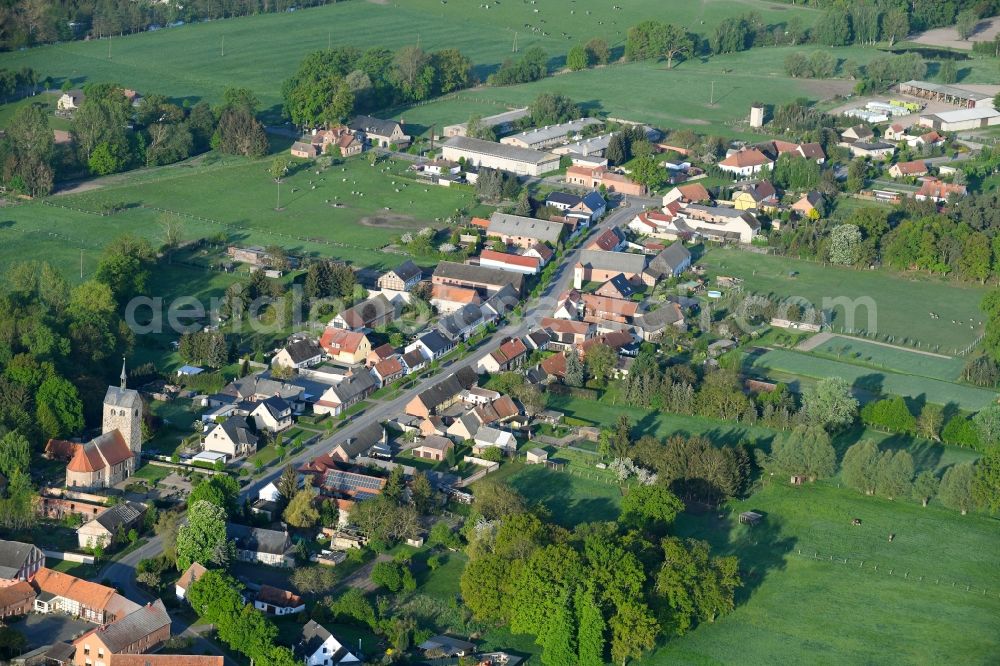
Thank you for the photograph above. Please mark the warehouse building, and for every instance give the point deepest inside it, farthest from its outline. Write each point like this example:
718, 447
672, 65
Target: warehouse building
517, 160
550, 135
938, 92
962, 119
501, 122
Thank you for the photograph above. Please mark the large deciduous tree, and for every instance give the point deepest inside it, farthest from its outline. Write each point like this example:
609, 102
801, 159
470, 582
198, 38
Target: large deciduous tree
203, 538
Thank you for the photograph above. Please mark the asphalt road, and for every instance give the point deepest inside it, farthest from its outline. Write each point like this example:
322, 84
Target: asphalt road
121, 573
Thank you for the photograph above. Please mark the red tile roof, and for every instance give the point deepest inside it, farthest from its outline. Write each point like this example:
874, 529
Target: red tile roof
511, 259
746, 158
336, 340
278, 597
91, 457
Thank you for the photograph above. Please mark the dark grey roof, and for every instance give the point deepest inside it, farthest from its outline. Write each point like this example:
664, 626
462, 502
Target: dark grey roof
501, 150
538, 339
12, 557
450, 646
303, 350
436, 342
371, 125
236, 428
459, 321
448, 387
123, 398
873, 145
62, 652
563, 198
369, 436
659, 318
258, 540
613, 261
504, 300
529, 227
313, 637
353, 386
124, 632
622, 284
408, 270
479, 275
276, 406
594, 201
120, 515
669, 260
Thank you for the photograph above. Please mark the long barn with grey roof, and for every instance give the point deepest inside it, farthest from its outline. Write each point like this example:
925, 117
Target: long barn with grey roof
479, 153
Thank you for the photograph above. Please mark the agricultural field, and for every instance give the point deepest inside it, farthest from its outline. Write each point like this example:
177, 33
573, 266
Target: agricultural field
903, 304
190, 61
894, 359
779, 364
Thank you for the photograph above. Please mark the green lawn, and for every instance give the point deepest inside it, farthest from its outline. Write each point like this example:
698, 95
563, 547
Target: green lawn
902, 303
874, 382
48, 100
820, 611
261, 51
852, 350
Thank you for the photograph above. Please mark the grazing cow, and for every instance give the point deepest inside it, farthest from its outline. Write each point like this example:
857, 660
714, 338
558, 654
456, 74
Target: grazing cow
891, 537
856, 522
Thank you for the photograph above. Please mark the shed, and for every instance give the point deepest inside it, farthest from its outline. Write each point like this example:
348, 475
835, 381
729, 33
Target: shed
750, 518
537, 456
189, 371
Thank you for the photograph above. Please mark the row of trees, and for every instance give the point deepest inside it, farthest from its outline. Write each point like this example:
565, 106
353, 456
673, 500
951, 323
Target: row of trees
601, 591
331, 85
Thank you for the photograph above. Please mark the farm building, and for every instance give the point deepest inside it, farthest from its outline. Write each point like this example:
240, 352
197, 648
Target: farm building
550, 135
963, 119
501, 122
517, 160
968, 99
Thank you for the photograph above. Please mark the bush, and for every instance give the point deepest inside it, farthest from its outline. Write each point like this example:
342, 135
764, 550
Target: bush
961, 431
394, 577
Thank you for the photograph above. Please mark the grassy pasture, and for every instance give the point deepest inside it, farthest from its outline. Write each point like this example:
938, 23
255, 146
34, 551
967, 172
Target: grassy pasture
821, 611
861, 352
261, 51
902, 302
873, 382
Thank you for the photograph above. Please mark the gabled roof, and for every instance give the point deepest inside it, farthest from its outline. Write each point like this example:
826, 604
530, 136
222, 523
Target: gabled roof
528, 227
607, 241
133, 627
275, 406
621, 285
694, 192
13, 555
336, 340
501, 150
448, 387
413, 358
122, 515
367, 437
384, 351
594, 200
555, 364
615, 339
911, 168
435, 342
277, 597
510, 259
372, 125
660, 318
505, 407
58, 584
343, 482
360, 315
436, 443
619, 262
108, 449
238, 432
538, 339
812, 150
495, 436
479, 275
167, 660
566, 326
746, 158
303, 350
563, 198
453, 294
258, 540
388, 367
669, 260
605, 304
315, 637
190, 575
17, 593
509, 350
407, 270
544, 251
353, 386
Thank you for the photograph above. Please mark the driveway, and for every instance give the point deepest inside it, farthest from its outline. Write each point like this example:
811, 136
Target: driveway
51, 628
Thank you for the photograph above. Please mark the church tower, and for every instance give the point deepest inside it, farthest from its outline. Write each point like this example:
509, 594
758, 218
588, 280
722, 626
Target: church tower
123, 412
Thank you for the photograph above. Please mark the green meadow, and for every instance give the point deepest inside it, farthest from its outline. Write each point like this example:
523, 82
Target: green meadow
903, 303
862, 352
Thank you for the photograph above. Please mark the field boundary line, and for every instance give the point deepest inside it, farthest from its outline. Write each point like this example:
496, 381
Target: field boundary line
872, 342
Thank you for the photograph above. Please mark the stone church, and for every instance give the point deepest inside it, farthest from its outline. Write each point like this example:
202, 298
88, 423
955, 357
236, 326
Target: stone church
116, 452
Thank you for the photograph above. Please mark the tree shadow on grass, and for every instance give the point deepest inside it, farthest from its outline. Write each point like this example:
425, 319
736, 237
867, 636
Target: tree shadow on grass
556, 492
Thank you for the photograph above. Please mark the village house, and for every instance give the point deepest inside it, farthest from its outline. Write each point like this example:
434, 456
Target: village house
442, 394
187, 579
381, 133
488, 437
565, 334
616, 287
524, 231
275, 601
302, 353
434, 448
232, 437
610, 240
755, 196
745, 163
688, 193
370, 437
111, 524
601, 266
854, 134
651, 325
463, 427
485, 280
562, 200
431, 345
370, 313
166, 660
446, 298
19, 562
256, 544
16, 599
143, 630
908, 169
592, 177
272, 414
509, 355
570, 304
345, 346
379, 354
876, 150
402, 278
591, 207
895, 132
318, 647
809, 204
387, 371
462, 323
321, 142
63, 593
671, 262
938, 191
722, 224
599, 309
346, 393
339, 483
510, 262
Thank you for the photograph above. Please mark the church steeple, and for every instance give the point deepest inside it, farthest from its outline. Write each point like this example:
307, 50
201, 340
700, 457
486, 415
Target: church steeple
123, 377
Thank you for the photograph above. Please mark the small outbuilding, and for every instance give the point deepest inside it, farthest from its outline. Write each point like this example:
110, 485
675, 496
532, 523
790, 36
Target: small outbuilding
537, 456
750, 518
